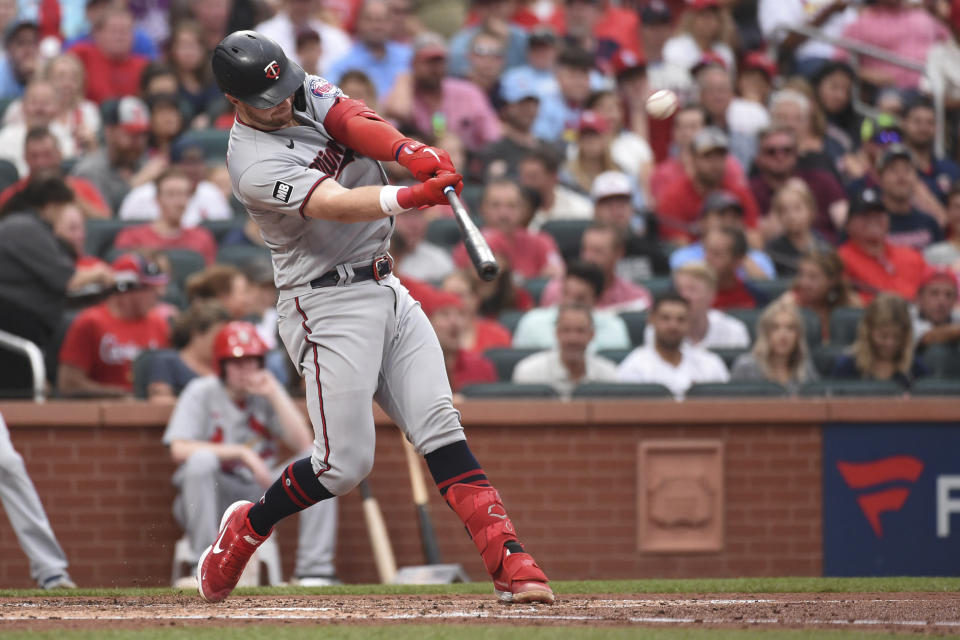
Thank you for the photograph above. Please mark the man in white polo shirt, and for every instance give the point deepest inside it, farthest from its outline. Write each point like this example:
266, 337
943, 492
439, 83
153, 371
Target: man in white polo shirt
667, 359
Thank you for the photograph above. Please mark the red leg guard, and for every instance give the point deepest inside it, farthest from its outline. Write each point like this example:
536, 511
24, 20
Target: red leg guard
486, 520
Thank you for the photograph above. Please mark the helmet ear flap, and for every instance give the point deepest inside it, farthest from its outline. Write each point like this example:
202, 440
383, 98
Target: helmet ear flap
300, 99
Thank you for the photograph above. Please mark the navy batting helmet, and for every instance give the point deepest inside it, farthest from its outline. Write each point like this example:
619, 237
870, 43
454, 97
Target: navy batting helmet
254, 69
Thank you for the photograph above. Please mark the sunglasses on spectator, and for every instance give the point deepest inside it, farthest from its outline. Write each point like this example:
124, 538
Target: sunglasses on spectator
487, 51
779, 151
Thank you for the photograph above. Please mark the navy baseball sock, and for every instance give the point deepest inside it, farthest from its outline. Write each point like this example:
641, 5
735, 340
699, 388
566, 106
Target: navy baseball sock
297, 489
453, 464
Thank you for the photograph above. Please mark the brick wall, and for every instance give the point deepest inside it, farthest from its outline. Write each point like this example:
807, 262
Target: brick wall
567, 473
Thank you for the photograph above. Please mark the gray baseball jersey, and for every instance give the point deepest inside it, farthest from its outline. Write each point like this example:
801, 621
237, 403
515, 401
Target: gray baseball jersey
273, 174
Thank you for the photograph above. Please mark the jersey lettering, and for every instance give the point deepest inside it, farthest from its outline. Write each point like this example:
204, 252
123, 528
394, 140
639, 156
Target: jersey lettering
332, 160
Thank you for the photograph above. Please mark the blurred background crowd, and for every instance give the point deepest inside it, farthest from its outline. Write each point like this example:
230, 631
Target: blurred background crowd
793, 226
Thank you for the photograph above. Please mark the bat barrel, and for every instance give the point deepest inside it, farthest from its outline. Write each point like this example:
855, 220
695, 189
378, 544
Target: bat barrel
477, 248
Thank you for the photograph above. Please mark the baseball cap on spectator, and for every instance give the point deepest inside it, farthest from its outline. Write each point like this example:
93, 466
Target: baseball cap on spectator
868, 201
610, 184
656, 13
760, 61
707, 59
881, 130
575, 57
626, 61
592, 121
937, 275
709, 139
187, 148
132, 271
542, 35
721, 201
520, 89
18, 25
895, 151
436, 300
128, 112
429, 45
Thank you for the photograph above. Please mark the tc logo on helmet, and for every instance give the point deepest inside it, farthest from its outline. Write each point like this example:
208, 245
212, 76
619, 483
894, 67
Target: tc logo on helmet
272, 70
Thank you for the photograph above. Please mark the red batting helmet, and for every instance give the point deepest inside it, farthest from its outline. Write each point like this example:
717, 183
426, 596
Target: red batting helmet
237, 340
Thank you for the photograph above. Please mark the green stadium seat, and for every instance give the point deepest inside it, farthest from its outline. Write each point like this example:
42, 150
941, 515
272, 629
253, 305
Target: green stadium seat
535, 287
8, 174
4, 104
748, 317
852, 388
471, 196
508, 390
567, 234
504, 360
658, 286
729, 356
213, 141
141, 370
772, 289
615, 355
241, 255
825, 356
443, 232
943, 360
843, 325
811, 324
936, 387
101, 233
636, 322
184, 263
620, 390
174, 295
220, 228
736, 390
510, 319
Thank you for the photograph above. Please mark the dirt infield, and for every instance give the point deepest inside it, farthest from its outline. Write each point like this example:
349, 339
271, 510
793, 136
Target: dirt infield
926, 613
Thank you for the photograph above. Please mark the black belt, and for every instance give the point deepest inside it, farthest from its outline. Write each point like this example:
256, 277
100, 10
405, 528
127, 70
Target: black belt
379, 269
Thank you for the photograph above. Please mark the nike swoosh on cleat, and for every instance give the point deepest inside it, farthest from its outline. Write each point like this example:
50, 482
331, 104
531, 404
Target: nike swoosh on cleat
216, 545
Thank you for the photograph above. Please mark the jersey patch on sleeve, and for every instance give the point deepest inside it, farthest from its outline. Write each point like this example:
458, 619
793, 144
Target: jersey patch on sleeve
320, 87
282, 191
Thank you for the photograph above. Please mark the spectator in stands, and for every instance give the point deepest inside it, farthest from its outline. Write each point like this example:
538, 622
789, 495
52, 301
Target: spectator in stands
909, 227
187, 55
604, 246
113, 69
793, 212
43, 159
668, 360
708, 328
702, 30
834, 88
681, 201
629, 150
294, 15
582, 286
224, 284
93, 276
740, 119
560, 110
539, 170
309, 50
582, 20
486, 65
776, 163
432, 103
935, 316
808, 55
359, 86
725, 249
206, 200
413, 255
167, 122
903, 29
820, 287
445, 311
159, 78
723, 209
21, 42
947, 252
39, 111
99, 349
919, 132
755, 80
942, 71
173, 188
94, 11
120, 164
518, 111
883, 349
224, 434
612, 195
591, 156
530, 254
479, 333
791, 109
539, 70
192, 336
493, 16
780, 352
569, 364
373, 51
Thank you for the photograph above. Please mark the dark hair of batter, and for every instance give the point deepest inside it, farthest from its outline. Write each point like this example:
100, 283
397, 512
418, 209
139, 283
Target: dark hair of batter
198, 318
212, 282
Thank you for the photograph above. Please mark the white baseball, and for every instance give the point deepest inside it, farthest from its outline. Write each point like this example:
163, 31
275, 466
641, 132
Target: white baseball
662, 104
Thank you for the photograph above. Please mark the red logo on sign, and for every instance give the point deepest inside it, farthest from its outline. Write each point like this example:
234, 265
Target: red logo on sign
870, 474
272, 70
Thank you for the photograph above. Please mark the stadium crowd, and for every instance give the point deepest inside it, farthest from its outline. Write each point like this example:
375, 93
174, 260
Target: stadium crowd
795, 224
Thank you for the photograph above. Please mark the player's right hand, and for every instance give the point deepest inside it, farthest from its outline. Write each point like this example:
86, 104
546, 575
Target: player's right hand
429, 193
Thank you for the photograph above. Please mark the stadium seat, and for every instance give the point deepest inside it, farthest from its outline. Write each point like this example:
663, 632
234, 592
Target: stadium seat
213, 141
736, 390
729, 356
943, 360
443, 232
472, 196
936, 387
567, 234
141, 370
843, 325
811, 324
620, 390
825, 356
240, 255
510, 319
220, 228
658, 286
636, 322
4, 103
184, 263
52, 351
851, 388
615, 355
748, 317
175, 295
8, 174
772, 289
101, 234
506, 359
508, 390
535, 287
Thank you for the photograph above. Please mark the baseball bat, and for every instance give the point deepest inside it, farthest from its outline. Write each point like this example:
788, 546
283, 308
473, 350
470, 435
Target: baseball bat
379, 538
431, 550
477, 247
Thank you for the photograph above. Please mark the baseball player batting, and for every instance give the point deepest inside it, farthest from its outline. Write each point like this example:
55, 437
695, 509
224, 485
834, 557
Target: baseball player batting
304, 161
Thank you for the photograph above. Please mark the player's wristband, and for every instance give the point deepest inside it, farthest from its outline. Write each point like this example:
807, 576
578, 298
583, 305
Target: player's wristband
388, 200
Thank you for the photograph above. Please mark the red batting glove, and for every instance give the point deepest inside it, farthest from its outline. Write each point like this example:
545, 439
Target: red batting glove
430, 192
422, 161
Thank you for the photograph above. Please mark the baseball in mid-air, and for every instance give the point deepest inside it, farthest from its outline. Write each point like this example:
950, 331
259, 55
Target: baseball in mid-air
662, 104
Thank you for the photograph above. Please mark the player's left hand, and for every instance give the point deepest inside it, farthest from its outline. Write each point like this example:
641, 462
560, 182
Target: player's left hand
422, 161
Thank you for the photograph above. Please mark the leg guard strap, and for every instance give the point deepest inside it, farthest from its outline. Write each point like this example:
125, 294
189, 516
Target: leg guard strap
486, 520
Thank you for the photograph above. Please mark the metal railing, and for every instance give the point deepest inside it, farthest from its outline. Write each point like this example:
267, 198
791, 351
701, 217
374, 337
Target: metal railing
34, 356
857, 50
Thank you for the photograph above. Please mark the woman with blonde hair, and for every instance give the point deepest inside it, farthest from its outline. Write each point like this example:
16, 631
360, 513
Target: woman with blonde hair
780, 352
883, 349
793, 211
821, 287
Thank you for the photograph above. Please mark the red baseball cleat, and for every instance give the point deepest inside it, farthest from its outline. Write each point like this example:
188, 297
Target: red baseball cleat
222, 563
520, 580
